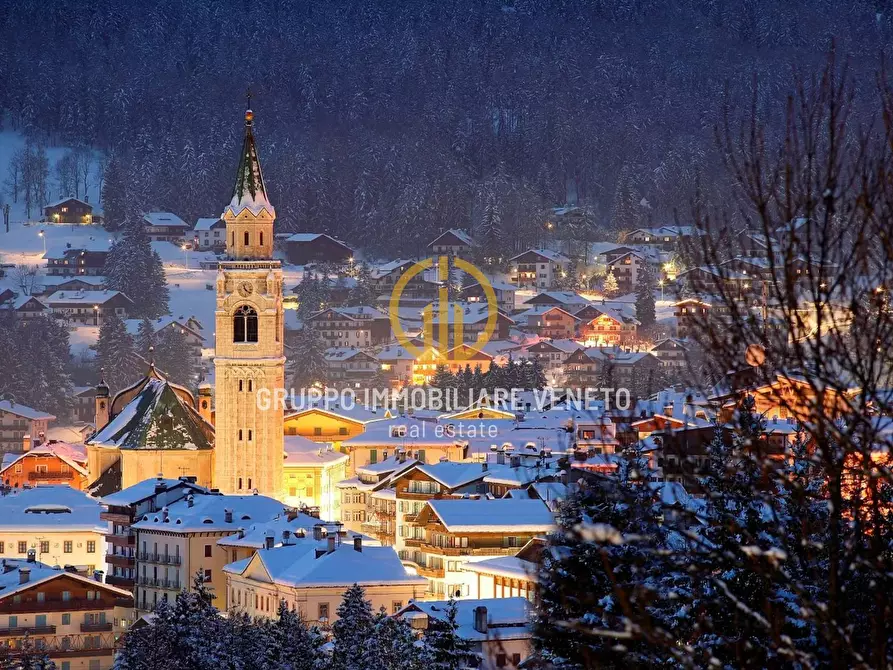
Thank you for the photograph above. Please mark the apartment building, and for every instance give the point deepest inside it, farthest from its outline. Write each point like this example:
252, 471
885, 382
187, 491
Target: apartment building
351, 326
74, 619
17, 421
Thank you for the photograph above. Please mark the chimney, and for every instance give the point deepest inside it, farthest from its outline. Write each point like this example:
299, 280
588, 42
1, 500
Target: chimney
97, 576
268, 540
159, 484
358, 543
286, 536
190, 500
515, 461
484, 466
331, 544
480, 619
500, 458
24, 575
300, 532
26, 443
165, 514
32, 556
227, 515
317, 531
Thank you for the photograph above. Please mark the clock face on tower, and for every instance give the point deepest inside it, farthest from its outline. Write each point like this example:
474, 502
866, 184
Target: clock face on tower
245, 289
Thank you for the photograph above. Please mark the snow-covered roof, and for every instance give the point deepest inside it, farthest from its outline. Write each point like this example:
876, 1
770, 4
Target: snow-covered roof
560, 297
280, 529
297, 565
507, 618
69, 198
504, 515
310, 237
146, 489
40, 573
452, 475
395, 352
504, 566
100, 245
83, 297
208, 513
164, 219
209, 222
297, 405
24, 411
159, 324
50, 508
547, 254
74, 457
461, 235
299, 451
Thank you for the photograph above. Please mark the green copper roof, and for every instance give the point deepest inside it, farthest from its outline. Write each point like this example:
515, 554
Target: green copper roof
249, 191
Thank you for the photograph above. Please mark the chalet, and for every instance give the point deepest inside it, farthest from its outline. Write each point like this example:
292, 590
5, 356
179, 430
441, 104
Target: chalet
49, 284
18, 421
538, 268
89, 308
628, 269
165, 226
666, 237
637, 372
350, 368
422, 286
455, 360
87, 258
466, 322
209, 233
70, 210
25, 307
710, 280
504, 292
6, 295
448, 533
190, 329
552, 353
567, 300
307, 248
84, 398
691, 314
612, 326
453, 242
351, 326
507, 577
396, 364
671, 353
549, 321
48, 463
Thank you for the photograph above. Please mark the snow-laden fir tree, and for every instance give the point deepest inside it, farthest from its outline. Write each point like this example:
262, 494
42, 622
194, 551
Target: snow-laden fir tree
363, 292
307, 365
645, 304
445, 649
145, 337
40, 374
135, 269
174, 356
114, 354
292, 644
352, 630
392, 645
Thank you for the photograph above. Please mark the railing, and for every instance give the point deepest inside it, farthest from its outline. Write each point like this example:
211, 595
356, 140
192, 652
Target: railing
73, 605
96, 627
118, 580
173, 584
152, 557
27, 630
34, 476
430, 572
460, 551
120, 539
120, 559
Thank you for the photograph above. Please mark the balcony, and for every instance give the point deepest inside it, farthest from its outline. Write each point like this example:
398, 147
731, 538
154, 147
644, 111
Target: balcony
21, 631
121, 540
116, 517
117, 580
96, 627
120, 560
434, 573
170, 584
43, 476
460, 551
73, 605
164, 559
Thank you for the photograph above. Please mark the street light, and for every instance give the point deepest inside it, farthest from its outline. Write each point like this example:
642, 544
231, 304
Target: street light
44, 238
185, 249
661, 284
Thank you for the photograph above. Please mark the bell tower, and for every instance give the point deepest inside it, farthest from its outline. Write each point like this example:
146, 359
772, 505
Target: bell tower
249, 362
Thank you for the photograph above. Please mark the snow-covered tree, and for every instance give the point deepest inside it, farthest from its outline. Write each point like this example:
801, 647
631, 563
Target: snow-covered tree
392, 645
145, 337
174, 356
135, 269
292, 644
307, 364
352, 630
445, 649
363, 292
114, 353
645, 305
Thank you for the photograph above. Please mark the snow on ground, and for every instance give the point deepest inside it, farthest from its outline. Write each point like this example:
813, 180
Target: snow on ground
82, 339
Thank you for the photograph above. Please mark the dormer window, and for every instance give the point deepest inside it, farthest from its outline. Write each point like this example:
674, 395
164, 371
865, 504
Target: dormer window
245, 325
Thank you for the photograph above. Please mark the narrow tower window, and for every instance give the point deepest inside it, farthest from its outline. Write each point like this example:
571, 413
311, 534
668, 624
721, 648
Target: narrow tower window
262, 238
247, 237
245, 325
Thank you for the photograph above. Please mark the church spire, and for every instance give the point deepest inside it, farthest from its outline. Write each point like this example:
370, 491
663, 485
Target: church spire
250, 192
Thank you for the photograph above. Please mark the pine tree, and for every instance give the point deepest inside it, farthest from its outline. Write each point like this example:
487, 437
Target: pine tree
114, 353
363, 293
445, 648
27, 656
135, 269
145, 337
352, 630
645, 306
392, 645
174, 356
308, 364
312, 295
42, 371
611, 288
292, 645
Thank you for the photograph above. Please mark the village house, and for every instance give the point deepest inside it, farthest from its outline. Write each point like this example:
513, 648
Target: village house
453, 242
191, 330
307, 248
628, 269
311, 472
612, 326
85, 258
18, 421
356, 501
538, 268
666, 237
552, 354
71, 210
466, 322
25, 307
351, 326
311, 572
396, 363
498, 630
180, 539
549, 321
89, 308
350, 368
455, 360
84, 398
49, 463
75, 620
122, 508
691, 315
165, 227
671, 352
504, 292
49, 284
59, 524
506, 576
209, 233
322, 421
567, 300
447, 533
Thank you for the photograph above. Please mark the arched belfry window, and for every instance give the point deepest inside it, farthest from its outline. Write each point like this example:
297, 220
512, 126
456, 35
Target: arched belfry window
245, 325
